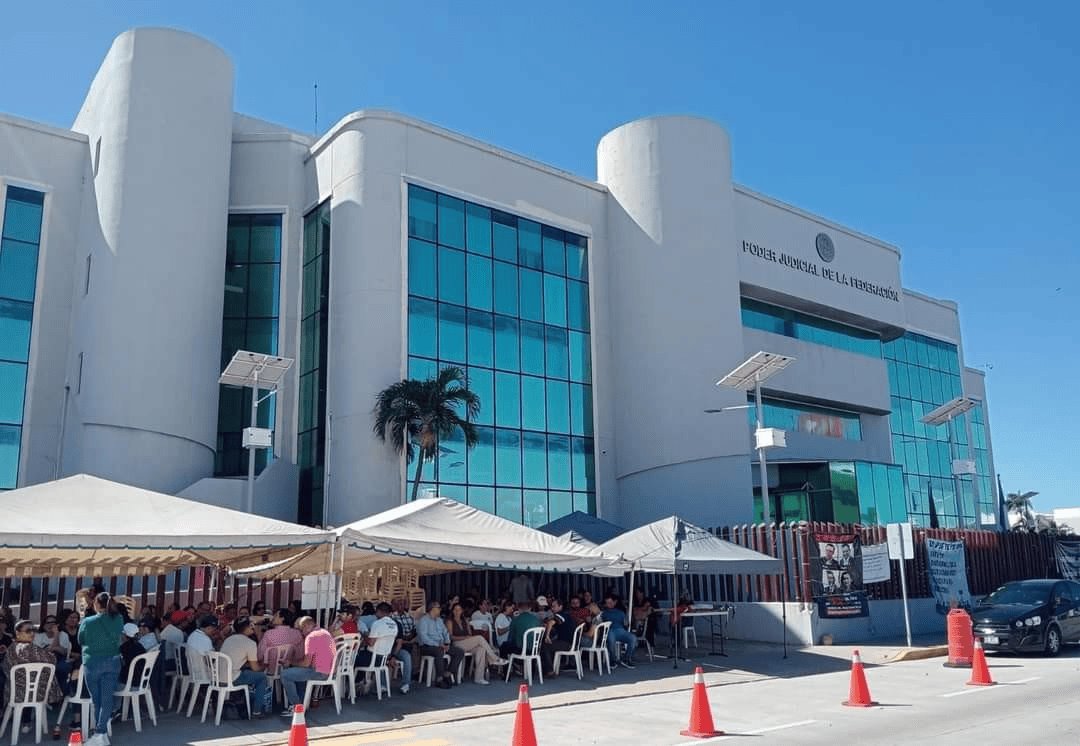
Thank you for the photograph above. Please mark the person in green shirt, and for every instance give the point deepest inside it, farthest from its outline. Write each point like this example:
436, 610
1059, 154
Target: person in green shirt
525, 620
99, 636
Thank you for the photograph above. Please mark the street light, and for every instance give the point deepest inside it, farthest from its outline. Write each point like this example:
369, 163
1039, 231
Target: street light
255, 371
944, 415
758, 368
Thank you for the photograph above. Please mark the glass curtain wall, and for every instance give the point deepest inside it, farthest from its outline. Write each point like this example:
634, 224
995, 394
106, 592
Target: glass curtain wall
507, 299
314, 324
251, 318
924, 373
20, 239
987, 508
786, 415
788, 323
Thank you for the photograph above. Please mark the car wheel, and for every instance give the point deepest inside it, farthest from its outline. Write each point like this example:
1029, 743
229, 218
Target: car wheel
1053, 640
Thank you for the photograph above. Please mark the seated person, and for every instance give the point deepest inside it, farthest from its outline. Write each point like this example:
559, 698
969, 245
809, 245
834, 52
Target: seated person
577, 610
367, 616
543, 611
561, 627
130, 648
435, 641
482, 621
645, 616
463, 637
281, 632
345, 623
618, 632
385, 626
524, 621
247, 669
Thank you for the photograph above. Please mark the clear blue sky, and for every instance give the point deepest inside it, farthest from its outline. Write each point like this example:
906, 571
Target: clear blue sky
949, 129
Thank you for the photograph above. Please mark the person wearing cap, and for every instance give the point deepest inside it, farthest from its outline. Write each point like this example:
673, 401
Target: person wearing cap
130, 648
543, 610
243, 651
201, 639
435, 641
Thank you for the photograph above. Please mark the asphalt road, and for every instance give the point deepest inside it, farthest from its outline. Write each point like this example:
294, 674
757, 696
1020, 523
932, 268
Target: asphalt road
1034, 701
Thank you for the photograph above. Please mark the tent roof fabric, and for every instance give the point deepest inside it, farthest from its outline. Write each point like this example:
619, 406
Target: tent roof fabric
589, 527
672, 545
440, 534
109, 528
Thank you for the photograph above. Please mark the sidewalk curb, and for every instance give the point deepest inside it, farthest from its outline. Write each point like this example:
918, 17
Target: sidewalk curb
918, 654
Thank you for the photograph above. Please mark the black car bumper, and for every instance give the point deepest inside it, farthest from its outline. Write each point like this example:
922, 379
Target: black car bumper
1022, 640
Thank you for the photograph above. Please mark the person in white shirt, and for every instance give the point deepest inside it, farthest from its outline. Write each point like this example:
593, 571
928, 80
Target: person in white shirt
503, 621
382, 627
57, 642
482, 620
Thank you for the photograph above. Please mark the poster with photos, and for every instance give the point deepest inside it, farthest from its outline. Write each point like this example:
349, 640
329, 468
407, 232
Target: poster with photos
836, 575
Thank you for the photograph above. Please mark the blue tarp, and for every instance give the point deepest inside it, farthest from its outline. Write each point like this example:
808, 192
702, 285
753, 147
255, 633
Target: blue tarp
589, 527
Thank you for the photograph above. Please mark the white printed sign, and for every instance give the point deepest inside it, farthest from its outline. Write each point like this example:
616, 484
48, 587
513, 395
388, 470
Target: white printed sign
875, 563
948, 574
900, 533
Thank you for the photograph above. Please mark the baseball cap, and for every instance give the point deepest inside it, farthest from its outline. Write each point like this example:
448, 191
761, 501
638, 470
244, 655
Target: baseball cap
130, 630
178, 617
541, 601
208, 620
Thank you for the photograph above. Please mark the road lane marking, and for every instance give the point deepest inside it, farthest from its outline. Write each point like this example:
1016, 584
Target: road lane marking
396, 738
975, 689
770, 729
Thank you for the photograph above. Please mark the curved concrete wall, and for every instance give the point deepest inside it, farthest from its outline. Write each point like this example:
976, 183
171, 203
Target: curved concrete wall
150, 326
672, 230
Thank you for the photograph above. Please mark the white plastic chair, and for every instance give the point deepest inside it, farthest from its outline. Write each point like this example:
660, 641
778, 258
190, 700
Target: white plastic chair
181, 677
598, 653
346, 639
376, 667
333, 680
221, 684
26, 698
346, 670
134, 695
277, 658
687, 633
427, 668
574, 653
85, 703
199, 676
530, 653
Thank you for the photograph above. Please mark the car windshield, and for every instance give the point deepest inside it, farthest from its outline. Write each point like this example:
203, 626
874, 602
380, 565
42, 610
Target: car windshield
1018, 593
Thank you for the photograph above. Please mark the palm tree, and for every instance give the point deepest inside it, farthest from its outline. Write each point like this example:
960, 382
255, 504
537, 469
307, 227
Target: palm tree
427, 411
1020, 503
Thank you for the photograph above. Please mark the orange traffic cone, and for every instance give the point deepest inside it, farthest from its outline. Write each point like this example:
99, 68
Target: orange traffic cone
524, 732
701, 724
298, 733
75, 737
858, 692
980, 672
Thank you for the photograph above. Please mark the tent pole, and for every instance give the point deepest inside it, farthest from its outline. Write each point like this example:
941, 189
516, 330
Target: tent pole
784, 595
676, 622
630, 605
332, 589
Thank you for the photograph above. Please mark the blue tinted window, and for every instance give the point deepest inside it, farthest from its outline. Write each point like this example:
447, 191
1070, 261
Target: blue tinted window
452, 458
508, 399
15, 321
534, 460
482, 383
482, 457
421, 369
482, 498
581, 409
757, 315
577, 258
580, 357
820, 421
479, 282
530, 253
554, 300
18, 269
507, 344
557, 352
22, 215
533, 406
478, 229
554, 251
536, 509
559, 477
504, 237
451, 222
481, 339
451, 276
508, 457
423, 326
10, 437
578, 305
582, 468
531, 295
506, 288
451, 333
12, 388
422, 213
532, 348
508, 504
422, 268
559, 504
558, 406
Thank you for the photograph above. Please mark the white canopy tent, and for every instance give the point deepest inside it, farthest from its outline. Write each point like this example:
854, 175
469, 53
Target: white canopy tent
672, 546
436, 535
85, 525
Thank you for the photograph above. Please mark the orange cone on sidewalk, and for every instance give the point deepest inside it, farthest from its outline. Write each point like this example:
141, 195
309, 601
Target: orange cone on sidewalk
858, 692
298, 733
701, 724
980, 672
524, 732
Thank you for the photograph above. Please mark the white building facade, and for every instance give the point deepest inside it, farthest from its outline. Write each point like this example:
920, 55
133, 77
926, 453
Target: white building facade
163, 232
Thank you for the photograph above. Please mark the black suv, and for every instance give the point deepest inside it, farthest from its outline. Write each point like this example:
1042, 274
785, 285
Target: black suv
1029, 615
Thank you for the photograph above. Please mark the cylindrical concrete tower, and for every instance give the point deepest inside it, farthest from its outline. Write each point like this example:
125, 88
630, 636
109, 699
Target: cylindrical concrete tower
677, 325
147, 329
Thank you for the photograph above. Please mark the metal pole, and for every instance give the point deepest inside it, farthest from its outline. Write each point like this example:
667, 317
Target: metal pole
952, 470
766, 508
903, 588
784, 595
251, 446
975, 476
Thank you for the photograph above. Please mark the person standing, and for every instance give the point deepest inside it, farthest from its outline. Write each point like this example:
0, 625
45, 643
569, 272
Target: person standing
521, 589
99, 636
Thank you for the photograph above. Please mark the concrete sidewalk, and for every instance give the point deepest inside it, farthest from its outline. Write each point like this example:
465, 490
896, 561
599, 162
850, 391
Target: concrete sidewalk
746, 662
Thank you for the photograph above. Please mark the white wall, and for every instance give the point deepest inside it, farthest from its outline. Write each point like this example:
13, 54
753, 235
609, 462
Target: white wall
56, 162
150, 327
